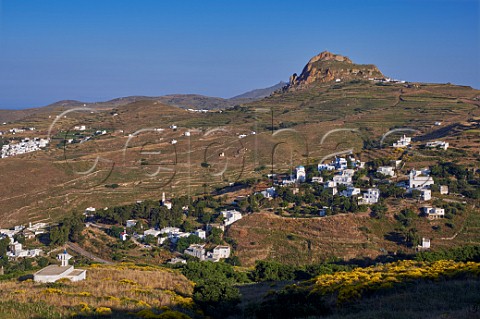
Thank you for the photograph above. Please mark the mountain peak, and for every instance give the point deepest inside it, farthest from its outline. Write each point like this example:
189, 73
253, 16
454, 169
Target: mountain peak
328, 67
329, 56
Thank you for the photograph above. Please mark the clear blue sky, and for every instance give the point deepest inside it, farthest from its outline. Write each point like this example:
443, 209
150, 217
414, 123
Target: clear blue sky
93, 50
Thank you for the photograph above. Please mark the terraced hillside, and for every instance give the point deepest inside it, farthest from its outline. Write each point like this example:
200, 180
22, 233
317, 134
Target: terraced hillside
136, 159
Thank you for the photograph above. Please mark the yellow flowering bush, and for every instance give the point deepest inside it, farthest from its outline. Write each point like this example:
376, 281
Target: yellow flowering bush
103, 311
350, 285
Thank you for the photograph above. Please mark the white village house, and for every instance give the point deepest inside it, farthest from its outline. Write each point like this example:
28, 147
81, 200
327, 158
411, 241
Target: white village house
386, 170
420, 179
438, 144
196, 250
371, 196
434, 212
230, 216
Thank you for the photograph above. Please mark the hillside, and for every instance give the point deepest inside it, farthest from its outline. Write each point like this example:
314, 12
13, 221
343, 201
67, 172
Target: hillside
120, 291
136, 158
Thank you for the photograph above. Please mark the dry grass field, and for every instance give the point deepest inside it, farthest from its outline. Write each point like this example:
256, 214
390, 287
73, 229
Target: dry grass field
117, 289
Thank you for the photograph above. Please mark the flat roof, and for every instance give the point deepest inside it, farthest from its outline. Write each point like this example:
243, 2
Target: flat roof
53, 270
76, 272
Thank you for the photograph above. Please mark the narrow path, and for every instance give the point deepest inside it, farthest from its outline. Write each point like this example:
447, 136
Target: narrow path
85, 253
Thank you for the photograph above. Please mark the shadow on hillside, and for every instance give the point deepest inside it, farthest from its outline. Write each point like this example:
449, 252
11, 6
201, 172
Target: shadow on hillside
395, 237
25, 277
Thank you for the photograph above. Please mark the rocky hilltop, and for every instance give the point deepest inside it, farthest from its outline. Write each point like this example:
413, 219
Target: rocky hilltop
328, 67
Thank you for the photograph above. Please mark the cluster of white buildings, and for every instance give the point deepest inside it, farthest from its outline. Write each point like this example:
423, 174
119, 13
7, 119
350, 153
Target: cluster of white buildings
344, 176
404, 141
340, 164
198, 251
26, 145
16, 249
386, 80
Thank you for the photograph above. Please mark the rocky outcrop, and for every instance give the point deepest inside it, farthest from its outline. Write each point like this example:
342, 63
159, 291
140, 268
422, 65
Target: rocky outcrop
329, 67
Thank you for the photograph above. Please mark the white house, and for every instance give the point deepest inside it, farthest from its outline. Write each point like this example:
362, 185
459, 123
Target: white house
443, 189
420, 179
386, 170
426, 194
168, 230
325, 167
269, 192
53, 273
301, 176
340, 163
201, 233
343, 179
425, 244
152, 232
350, 191
177, 260
89, 211
434, 212
196, 250
404, 141
220, 252
438, 144
371, 196
231, 216
80, 128
131, 223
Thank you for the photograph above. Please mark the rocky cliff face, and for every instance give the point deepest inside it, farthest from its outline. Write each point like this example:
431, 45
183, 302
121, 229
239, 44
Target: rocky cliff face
329, 67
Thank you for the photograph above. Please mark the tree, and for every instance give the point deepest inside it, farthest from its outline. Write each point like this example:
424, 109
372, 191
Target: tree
215, 236
150, 239
184, 242
4, 246
378, 211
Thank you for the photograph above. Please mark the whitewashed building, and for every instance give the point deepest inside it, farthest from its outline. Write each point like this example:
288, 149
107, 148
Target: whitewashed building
443, 189
350, 191
301, 175
196, 250
200, 233
53, 273
404, 141
230, 216
438, 144
386, 170
434, 212
426, 194
420, 179
371, 196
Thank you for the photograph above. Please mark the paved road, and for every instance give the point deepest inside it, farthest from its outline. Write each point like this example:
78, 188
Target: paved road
85, 253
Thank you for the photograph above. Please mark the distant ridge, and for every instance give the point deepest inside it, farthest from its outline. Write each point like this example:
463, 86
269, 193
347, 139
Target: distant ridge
184, 101
260, 93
